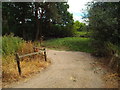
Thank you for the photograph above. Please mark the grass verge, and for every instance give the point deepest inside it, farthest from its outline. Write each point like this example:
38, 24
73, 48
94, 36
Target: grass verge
70, 44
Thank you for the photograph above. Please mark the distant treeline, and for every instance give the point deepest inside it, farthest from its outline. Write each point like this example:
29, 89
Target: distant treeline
33, 20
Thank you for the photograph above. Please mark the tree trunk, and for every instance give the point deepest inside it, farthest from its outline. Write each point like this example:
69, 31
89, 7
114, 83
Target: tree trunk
37, 21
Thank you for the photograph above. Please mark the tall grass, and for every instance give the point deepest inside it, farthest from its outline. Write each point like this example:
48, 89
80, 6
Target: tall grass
70, 43
10, 44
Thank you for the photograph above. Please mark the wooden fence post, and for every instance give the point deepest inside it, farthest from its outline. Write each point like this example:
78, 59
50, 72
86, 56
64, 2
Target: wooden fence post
18, 63
18, 58
45, 54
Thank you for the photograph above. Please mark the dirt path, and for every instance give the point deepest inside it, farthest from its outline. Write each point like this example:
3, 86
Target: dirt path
68, 70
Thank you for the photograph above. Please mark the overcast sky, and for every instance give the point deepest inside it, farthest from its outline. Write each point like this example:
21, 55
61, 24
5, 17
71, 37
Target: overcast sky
76, 7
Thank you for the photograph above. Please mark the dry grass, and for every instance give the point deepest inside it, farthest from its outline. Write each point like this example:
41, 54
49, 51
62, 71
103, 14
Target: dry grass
29, 65
26, 48
111, 80
110, 76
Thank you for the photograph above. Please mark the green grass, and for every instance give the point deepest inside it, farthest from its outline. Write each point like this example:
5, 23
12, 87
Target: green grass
82, 33
70, 44
10, 44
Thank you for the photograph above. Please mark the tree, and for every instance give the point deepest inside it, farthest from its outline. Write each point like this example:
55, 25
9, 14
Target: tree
79, 26
55, 15
16, 14
33, 20
104, 22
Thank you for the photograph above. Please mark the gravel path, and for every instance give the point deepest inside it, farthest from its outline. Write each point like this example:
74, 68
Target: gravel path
68, 70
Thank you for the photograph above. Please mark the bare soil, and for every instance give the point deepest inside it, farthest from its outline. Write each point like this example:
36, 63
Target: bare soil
69, 70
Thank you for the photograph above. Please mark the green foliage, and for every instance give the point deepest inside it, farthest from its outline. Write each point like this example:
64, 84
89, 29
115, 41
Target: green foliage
78, 26
70, 43
30, 24
103, 21
14, 13
60, 31
10, 44
83, 33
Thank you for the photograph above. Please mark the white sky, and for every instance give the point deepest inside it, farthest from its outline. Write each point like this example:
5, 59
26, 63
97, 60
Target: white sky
75, 7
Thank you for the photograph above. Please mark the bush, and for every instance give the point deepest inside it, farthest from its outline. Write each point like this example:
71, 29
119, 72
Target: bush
10, 44
103, 21
57, 31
